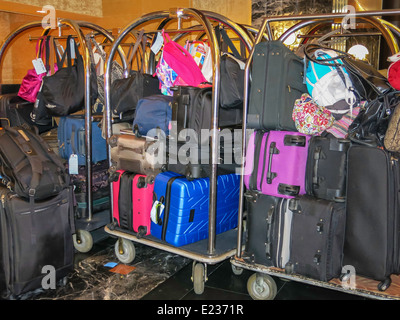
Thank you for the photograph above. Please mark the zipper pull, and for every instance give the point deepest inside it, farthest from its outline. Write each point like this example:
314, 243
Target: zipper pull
3, 200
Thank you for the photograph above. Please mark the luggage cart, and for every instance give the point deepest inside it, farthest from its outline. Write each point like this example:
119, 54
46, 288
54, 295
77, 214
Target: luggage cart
83, 239
217, 247
261, 285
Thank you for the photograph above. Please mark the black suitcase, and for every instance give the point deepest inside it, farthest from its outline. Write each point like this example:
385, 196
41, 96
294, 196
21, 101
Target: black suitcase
277, 81
34, 242
326, 168
269, 229
317, 238
192, 159
15, 111
372, 224
192, 109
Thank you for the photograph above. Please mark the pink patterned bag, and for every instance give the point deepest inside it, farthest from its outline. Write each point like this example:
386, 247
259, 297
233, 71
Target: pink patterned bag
177, 67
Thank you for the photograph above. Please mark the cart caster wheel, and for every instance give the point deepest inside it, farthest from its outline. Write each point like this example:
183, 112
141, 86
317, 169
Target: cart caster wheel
382, 286
198, 278
83, 241
125, 250
237, 270
261, 287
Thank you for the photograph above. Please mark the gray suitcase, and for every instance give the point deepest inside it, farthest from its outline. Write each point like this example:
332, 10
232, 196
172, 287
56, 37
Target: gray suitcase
277, 81
269, 223
317, 238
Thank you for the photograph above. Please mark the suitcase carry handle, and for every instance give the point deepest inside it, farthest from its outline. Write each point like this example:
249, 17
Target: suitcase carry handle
316, 157
272, 150
288, 190
291, 140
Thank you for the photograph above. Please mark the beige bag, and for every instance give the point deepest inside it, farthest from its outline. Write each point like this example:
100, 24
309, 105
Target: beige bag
392, 135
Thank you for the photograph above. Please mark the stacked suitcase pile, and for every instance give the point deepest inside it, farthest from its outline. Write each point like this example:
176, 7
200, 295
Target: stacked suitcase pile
161, 167
71, 147
36, 213
316, 203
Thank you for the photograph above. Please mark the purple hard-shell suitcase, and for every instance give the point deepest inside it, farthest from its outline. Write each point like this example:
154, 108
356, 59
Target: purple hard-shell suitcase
276, 163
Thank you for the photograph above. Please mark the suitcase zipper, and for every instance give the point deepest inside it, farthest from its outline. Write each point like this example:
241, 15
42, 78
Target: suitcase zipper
167, 206
396, 224
258, 140
264, 160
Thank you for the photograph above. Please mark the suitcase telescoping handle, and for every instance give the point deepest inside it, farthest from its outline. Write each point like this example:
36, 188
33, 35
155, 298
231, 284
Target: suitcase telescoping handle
272, 150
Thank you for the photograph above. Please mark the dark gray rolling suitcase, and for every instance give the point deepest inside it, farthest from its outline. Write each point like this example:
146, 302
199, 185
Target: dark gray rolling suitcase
326, 168
372, 224
192, 159
34, 241
269, 230
277, 81
317, 238
192, 109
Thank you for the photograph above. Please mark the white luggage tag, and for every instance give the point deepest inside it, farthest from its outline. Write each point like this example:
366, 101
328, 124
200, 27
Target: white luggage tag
39, 66
158, 43
156, 211
73, 164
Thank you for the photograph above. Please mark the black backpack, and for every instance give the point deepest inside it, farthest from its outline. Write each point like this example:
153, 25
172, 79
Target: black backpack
28, 166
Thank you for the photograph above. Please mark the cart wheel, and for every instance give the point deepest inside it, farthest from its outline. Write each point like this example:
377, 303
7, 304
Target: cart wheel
198, 278
382, 286
261, 287
125, 250
237, 270
83, 241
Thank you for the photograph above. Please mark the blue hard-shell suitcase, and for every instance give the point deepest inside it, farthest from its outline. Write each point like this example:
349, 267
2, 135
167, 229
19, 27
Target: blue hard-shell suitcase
184, 218
71, 139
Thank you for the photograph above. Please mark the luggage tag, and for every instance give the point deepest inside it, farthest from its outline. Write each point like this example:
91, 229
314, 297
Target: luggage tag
39, 66
73, 164
156, 211
156, 47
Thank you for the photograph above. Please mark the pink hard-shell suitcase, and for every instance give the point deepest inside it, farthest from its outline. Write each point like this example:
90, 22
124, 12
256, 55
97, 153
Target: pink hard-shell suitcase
276, 163
132, 201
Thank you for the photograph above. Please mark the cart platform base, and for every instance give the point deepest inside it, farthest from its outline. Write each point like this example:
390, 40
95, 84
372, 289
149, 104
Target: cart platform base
225, 245
361, 286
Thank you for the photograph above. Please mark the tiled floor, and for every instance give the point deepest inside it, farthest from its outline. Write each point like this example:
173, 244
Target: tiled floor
159, 275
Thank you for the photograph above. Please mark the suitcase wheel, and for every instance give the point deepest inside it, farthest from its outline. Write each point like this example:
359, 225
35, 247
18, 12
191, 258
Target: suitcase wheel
383, 285
142, 230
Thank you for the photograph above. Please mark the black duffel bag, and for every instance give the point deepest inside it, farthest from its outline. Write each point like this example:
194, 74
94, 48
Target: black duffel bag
126, 92
63, 93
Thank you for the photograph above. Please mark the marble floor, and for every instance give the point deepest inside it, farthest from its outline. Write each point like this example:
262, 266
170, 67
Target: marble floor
162, 276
